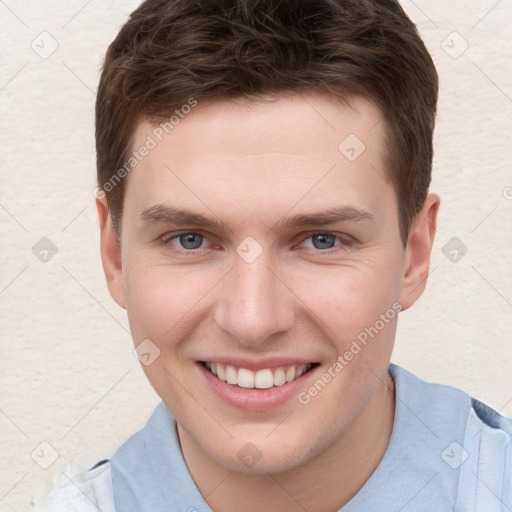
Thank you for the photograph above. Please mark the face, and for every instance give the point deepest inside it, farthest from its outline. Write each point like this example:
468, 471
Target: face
261, 257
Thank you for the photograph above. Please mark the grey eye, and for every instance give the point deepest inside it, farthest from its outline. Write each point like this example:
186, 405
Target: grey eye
323, 241
191, 240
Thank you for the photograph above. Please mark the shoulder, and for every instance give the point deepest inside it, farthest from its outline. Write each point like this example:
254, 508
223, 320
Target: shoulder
486, 461
488, 417
441, 401
80, 491
470, 442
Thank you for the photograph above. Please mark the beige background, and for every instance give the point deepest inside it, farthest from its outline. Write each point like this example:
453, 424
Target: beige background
68, 376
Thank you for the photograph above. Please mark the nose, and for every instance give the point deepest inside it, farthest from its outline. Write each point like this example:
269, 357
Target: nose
255, 305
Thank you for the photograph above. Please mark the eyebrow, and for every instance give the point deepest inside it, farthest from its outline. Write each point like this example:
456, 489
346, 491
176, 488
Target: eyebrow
170, 215
330, 216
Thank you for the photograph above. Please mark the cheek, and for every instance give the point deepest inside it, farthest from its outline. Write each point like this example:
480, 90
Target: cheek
349, 299
163, 305
356, 309
147, 302
161, 299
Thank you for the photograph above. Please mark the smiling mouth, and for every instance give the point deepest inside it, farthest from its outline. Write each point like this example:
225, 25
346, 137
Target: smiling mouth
265, 378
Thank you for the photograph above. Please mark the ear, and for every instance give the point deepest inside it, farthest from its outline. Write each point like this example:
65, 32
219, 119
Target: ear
110, 252
417, 252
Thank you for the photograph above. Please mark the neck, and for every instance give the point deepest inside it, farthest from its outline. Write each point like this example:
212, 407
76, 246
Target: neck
325, 483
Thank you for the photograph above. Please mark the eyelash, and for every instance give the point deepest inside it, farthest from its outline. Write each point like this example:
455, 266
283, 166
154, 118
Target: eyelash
345, 241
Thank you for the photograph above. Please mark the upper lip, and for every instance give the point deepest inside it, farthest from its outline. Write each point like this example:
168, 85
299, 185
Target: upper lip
258, 364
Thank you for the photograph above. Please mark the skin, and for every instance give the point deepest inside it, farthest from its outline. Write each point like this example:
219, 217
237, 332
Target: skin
251, 164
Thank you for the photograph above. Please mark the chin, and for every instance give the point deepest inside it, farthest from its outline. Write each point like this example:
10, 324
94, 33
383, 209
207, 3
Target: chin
274, 463
263, 455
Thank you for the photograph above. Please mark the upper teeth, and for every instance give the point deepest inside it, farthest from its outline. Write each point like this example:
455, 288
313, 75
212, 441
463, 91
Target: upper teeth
261, 379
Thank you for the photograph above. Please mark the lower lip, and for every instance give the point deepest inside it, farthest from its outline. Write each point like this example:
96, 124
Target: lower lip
255, 400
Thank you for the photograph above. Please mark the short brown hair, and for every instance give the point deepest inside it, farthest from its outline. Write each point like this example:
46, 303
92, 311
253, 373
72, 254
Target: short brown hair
172, 50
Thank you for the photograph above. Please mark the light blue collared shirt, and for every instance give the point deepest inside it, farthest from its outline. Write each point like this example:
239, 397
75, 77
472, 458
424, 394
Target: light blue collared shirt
447, 453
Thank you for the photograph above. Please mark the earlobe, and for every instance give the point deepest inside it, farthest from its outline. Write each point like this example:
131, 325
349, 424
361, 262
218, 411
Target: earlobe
110, 253
417, 252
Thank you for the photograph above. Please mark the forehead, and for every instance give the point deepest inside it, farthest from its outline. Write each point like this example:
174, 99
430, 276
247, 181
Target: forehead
273, 122
256, 155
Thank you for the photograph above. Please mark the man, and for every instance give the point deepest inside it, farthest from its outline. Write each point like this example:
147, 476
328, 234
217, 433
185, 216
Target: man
265, 216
